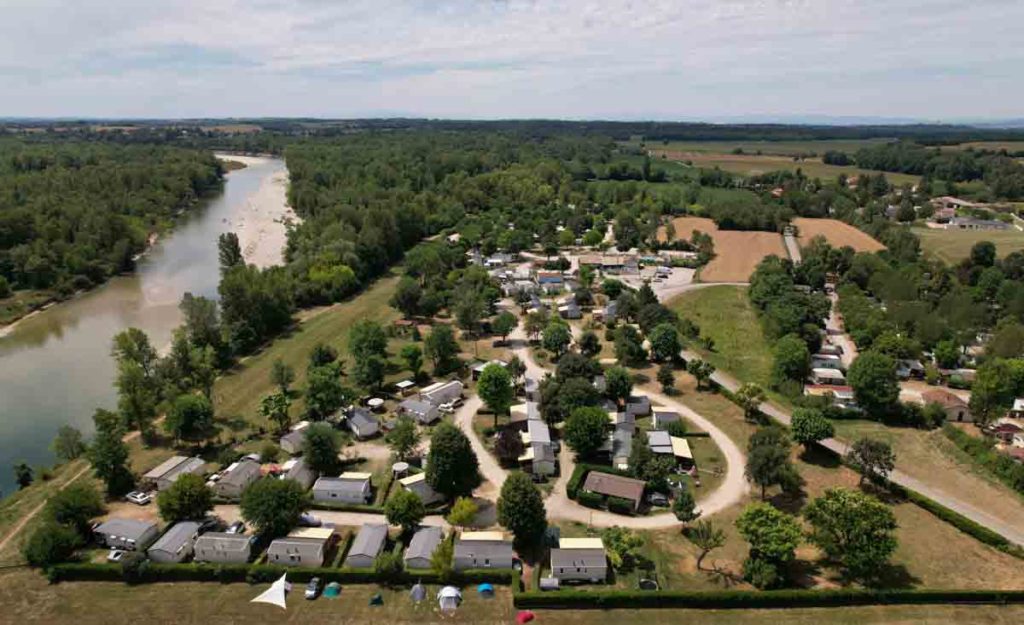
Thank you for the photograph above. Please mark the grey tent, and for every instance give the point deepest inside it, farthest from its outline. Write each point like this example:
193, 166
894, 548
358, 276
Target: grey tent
418, 592
449, 598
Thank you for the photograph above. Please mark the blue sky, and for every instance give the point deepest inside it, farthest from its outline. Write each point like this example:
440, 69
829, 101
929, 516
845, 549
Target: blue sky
611, 59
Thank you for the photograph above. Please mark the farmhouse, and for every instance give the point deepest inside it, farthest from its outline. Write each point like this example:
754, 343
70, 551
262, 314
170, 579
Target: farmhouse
176, 544
292, 441
442, 392
423, 411
236, 478
368, 544
418, 484
297, 469
127, 534
955, 407
579, 559
164, 474
483, 550
223, 548
362, 423
422, 546
832, 377
350, 487
615, 486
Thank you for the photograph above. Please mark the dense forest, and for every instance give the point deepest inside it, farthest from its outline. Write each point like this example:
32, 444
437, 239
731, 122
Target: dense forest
74, 213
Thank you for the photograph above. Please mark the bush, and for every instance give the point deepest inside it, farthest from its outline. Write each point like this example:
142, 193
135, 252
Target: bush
761, 573
620, 505
590, 500
50, 543
982, 452
388, 566
959, 382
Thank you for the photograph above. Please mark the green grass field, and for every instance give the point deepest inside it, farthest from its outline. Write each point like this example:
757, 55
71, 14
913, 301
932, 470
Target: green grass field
953, 246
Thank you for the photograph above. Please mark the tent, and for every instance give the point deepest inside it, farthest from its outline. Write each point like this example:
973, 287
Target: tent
333, 590
525, 617
485, 589
449, 598
377, 599
275, 594
418, 592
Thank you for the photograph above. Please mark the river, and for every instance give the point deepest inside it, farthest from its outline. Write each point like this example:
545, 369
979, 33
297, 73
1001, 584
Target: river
55, 366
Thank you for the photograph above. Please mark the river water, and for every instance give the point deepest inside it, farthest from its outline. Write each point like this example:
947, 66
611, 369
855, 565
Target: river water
55, 366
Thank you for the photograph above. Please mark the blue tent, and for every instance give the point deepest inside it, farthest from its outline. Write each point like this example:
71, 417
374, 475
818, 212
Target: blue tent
485, 589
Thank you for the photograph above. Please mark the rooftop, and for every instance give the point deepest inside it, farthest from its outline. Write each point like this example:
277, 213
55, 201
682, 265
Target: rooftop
581, 543
482, 536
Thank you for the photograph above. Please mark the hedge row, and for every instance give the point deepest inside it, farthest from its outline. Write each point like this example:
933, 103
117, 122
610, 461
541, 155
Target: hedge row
259, 573
346, 507
1008, 470
742, 599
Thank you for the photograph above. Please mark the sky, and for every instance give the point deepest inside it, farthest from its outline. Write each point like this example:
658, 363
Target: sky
937, 60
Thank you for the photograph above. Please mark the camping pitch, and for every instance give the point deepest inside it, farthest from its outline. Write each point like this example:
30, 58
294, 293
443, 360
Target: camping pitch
275, 595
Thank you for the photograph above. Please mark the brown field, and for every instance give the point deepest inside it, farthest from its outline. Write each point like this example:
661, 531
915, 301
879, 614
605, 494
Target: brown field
837, 233
736, 253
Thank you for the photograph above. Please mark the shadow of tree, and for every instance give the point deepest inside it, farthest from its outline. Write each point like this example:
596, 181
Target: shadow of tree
820, 458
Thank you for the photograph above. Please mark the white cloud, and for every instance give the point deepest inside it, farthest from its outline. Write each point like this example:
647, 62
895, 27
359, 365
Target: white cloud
472, 58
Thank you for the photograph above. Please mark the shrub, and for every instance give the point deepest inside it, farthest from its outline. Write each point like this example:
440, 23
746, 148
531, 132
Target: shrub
50, 543
388, 566
761, 573
590, 500
620, 505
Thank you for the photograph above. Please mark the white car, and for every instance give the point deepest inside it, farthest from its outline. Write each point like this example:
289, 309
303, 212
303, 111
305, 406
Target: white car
115, 555
450, 406
138, 497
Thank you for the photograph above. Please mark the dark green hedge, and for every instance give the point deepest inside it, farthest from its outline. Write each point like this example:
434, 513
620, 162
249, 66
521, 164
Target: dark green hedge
743, 599
982, 451
590, 500
347, 507
620, 505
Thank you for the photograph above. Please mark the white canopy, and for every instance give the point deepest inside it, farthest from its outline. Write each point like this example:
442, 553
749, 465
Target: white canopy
275, 594
449, 597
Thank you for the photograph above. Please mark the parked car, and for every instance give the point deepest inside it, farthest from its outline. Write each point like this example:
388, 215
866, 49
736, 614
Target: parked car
308, 520
237, 527
115, 555
450, 407
313, 588
657, 499
138, 497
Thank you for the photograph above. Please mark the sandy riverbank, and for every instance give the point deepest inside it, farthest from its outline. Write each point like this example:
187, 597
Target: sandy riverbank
260, 223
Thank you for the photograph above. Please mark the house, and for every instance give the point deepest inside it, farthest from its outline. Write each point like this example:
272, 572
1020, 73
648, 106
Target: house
422, 546
424, 412
663, 416
531, 388
308, 547
293, 441
621, 446
831, 377
362, 422
956, 408
550, 282
236, 478
297, 469
826, 361
176, 544
349, 487
638, 406
615, 486
539, 455
608, 313
483, 550
368, 544
418, 484
164, 474
442, 392
570, 311
579, 559
223, 548
405, 387
520, 414
660, 442
478, 368
1005, 432
971, 223
622, 421
907, 368
127, 534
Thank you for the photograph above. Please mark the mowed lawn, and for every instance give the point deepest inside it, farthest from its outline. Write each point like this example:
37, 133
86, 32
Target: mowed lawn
952, 246
725, 315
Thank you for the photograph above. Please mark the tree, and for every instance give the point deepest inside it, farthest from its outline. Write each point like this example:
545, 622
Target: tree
503, 325
667, 378
792, 360
320, 447
452, 467
810, 426
629, 349
995, 386
229, 252
282, 375
109, 454
405, 508
324, 393
648, 466
442, 349
750, 396
590, 344
273, 506
368, 371
495, 388
23, 474
470, 308
706, 537
50, 544
622, 545
508, 446
875, 385
768, 458
612, 288
404, 438
322, 354
441, 560
872, 457
685, 507
137, 385
701, 370
584, 430
269, 452
203, 364
521, 509
190, 418
665, 343
618, 384
188, 498
412, 354
556, 337
947, 354
75, 506
68, 444
535, 323
463, 513
853, 529
275, 407
407, 297
573, 365
366, 340
773, 537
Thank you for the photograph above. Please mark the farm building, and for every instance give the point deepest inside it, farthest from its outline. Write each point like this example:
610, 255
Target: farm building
164, 474
234, 480
615, 486
971, 223
350, 487
223, 548
483, 550
956, 408
422, 546
368, 544
418, 484
579, 559
127, 534
176, 544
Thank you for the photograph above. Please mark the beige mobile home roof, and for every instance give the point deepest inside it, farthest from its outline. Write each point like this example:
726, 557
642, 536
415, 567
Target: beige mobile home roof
581, 543
482, 536
316, 533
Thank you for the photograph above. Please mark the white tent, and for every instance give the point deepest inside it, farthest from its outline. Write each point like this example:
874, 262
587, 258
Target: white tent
449, 598
275, 594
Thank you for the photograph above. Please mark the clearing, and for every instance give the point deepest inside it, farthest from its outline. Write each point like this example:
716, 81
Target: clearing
837, 233
952, 246
737, 253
